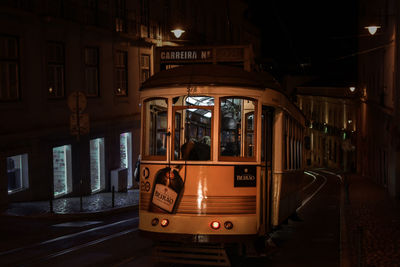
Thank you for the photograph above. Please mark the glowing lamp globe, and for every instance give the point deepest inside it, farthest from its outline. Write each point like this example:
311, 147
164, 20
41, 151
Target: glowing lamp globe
178, 32
372, 29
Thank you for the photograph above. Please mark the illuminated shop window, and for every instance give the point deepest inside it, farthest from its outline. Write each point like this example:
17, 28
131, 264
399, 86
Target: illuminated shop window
237, 128
62, 170
155, 135
17, 173
97, 177
193, 127
125, 142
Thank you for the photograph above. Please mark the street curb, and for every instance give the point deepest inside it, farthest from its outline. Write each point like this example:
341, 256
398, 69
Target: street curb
76, 215
345, 260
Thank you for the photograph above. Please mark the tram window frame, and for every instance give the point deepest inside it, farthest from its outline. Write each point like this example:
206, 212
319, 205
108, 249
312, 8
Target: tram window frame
193, 128
292, 144
243, 131
147, 155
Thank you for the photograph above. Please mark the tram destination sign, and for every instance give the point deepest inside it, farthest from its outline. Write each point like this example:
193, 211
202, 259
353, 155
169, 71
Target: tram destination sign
245, 176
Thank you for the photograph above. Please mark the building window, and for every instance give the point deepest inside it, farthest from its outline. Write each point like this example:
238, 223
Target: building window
17, 173
125, 142
92, 71
121, 73
9, 68
92, 12
62, 170
120, 16
55, 69
144, 67
97, 176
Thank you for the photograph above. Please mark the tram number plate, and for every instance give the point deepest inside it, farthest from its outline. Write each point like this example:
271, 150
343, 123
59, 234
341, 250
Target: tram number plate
245, 176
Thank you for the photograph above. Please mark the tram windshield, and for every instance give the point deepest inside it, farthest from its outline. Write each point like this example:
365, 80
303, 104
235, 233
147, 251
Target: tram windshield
192, 127
237, 128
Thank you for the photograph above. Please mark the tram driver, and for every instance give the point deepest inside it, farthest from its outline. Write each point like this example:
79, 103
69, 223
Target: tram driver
196, 150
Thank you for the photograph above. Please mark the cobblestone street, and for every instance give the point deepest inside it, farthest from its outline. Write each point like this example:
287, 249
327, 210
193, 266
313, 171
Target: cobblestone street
90, 204
373, 225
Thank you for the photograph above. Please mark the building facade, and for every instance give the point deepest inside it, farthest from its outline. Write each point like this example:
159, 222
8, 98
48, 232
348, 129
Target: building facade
332, 126
104, 49
378, 85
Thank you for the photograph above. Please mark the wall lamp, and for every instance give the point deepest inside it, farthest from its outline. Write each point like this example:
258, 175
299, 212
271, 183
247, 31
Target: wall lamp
372, 29
178, 32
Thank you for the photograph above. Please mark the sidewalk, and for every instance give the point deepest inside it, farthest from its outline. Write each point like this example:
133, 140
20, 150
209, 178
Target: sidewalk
91, 204
372, 225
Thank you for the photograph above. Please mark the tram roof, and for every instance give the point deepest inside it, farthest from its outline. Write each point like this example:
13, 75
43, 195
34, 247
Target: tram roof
210, 74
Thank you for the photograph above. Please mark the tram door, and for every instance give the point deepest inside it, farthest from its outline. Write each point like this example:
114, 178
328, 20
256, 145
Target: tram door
266, 158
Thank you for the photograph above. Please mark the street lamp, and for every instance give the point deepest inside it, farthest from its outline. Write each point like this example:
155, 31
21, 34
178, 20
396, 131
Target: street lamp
372, 29
178, 32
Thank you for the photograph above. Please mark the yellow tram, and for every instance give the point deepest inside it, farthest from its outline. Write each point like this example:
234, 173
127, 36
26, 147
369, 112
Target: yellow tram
222, 156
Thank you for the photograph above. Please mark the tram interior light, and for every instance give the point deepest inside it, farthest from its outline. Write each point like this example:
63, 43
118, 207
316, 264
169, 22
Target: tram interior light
164, 222
207, 115
191, 100
215, 225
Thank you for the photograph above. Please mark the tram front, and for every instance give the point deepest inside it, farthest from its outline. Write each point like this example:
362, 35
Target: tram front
200, 164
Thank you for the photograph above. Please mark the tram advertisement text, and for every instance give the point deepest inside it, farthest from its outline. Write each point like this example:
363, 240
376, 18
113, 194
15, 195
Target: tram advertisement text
245, 176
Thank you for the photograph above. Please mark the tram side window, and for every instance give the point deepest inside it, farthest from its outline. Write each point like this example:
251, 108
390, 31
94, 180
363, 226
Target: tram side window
155, 130
192, 127
237, 127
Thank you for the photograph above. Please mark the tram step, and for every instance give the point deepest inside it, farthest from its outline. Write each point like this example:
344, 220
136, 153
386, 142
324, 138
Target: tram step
215, 256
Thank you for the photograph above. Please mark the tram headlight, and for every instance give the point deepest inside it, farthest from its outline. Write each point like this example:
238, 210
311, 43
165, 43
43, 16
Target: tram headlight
228, 225
164, 222
215, 225
154, 222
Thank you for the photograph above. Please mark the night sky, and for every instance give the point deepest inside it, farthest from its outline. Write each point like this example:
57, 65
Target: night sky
308, 36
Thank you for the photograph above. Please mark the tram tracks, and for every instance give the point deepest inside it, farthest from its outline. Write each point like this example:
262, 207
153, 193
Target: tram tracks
41, 252
309, 186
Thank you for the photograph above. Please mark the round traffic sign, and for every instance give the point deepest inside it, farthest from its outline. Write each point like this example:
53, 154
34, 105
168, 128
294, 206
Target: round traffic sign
77, 101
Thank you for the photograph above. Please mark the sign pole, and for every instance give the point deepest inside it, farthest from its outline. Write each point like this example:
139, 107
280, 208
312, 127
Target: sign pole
79, 125
79, 151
